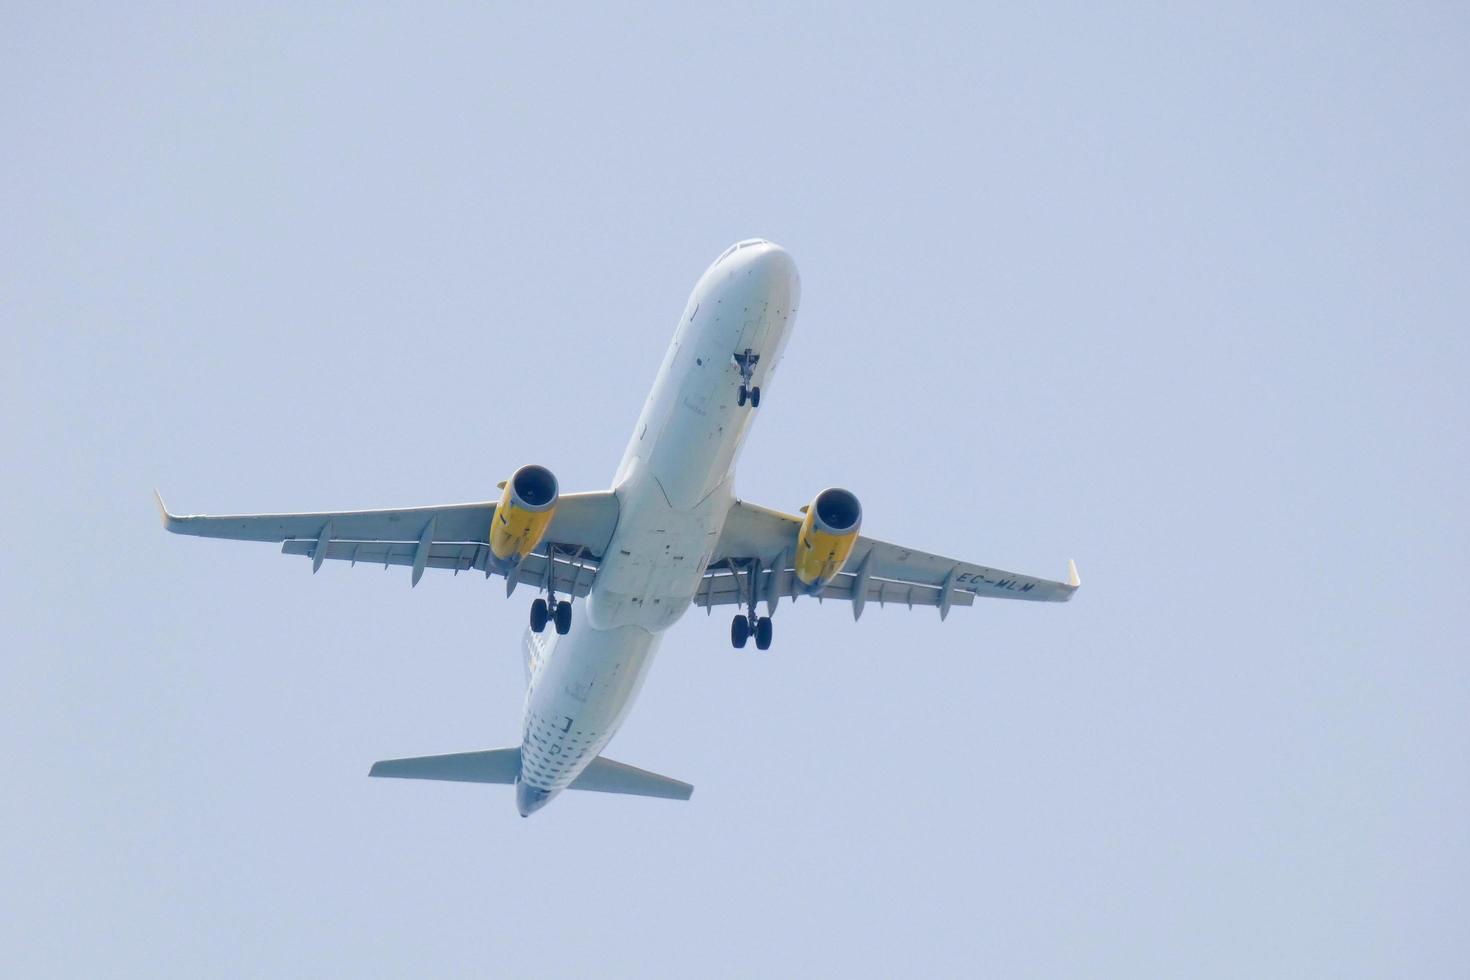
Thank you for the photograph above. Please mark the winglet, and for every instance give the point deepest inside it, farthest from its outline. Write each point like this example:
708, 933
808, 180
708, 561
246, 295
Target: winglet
163, 514
1072, 577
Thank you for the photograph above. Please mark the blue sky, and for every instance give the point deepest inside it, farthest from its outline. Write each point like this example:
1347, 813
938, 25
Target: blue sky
1177, 292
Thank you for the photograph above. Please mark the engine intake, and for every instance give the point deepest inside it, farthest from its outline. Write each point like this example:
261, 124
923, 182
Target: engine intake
827, 536
525, 511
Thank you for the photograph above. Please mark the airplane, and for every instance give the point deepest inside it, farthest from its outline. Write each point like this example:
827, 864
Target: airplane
668, 536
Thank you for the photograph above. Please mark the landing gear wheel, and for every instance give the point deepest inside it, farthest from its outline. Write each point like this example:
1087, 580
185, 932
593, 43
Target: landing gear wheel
763, 632
538, 615
755, 398
739, 632
740, 398
563, 618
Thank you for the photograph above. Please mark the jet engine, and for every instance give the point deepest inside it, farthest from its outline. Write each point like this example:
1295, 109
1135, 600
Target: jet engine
524, 513
827, 536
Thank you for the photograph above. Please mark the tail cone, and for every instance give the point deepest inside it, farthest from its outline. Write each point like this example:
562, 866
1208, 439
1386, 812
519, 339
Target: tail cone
529, 799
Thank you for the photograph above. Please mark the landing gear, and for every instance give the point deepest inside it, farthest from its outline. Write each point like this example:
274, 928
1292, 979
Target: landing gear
746, 361
748, 624
559, 615
743, 627
747, 582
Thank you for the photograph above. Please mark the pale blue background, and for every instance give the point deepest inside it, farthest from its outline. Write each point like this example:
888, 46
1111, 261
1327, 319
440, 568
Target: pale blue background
1181, 292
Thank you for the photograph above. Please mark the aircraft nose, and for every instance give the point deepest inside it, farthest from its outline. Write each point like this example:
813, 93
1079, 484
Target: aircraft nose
773, 268
529, 798
772, 262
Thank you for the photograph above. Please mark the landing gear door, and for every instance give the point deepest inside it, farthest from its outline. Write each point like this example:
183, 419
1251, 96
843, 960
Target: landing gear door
753, 328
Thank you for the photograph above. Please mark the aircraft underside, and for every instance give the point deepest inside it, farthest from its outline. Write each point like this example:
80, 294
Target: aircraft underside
669, 535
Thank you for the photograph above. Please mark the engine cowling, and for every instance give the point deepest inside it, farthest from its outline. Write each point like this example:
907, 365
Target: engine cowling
525, 511
827, 536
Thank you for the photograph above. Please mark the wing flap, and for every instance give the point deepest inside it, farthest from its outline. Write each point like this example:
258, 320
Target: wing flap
574, 575
724, 587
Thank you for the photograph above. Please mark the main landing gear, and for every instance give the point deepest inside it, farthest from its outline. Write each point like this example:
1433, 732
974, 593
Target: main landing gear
748, 624
559, 614
741, 631
747, 361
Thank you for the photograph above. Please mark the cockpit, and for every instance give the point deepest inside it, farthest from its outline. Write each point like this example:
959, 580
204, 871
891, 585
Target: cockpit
737, 247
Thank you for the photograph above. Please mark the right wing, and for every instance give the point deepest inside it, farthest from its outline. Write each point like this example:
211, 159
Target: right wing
455, 537
755, 554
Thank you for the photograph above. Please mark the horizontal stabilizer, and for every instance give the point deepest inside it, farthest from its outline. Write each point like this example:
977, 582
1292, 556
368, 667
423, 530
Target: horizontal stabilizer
504, 766
606, 776
493, 766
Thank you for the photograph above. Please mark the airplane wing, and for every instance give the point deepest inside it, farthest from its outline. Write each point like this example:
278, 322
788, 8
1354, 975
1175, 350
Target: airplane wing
758, 545
455, 537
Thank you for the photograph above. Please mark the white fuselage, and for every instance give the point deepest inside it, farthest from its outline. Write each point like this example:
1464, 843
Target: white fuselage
674, 490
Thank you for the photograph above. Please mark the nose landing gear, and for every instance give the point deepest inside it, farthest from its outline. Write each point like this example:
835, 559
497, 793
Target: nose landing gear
746, 361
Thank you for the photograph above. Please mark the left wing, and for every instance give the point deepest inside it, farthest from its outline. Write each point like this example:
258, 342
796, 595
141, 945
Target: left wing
755, 552
455, 537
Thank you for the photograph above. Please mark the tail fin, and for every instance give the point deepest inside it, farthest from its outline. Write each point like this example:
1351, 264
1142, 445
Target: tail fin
504, 766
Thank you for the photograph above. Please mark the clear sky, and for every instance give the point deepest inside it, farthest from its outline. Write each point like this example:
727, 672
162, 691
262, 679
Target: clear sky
1180, 293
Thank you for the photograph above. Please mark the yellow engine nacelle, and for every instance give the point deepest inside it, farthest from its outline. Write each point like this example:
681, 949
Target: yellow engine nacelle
827, 536
524, 513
